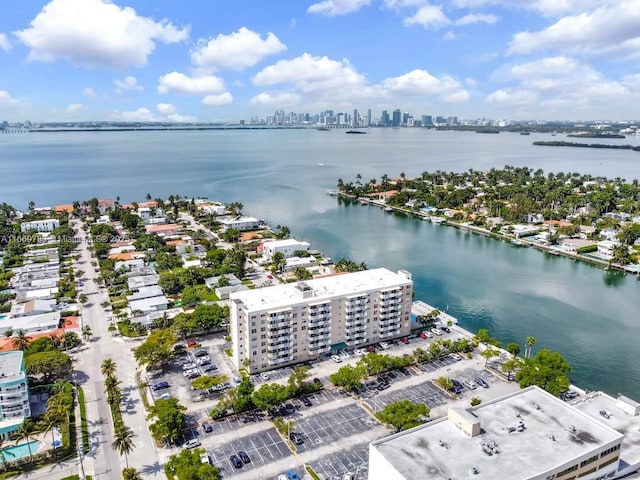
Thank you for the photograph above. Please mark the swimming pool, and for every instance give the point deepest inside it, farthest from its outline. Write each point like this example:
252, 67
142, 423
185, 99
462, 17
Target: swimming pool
22, 450
3, 316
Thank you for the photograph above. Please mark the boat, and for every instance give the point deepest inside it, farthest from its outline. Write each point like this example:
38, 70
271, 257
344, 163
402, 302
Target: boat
437, 219
388, 209
323, 129
356, 132
524, 133
364, 201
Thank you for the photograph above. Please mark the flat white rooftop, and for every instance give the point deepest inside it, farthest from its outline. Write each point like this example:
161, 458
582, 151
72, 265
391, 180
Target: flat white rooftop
554, 433
608, 410
324, 288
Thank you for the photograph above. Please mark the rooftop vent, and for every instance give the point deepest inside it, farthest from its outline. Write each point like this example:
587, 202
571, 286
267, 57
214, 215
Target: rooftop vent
552, 438
474, 470
605, 414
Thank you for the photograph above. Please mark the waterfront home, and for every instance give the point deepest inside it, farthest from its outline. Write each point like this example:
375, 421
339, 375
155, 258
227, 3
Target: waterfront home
287, 247
534, 218
153, 215
46, 225
216, 209
240, 223
605, 248
104, 205
572, 245
14, 408
586, 231
68, 208
609, 234
520, 230
294, 262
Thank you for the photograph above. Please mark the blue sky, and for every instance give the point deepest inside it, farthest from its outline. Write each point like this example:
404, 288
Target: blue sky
209, 60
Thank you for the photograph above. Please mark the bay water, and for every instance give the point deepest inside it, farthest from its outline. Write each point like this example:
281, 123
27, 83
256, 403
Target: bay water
591, 316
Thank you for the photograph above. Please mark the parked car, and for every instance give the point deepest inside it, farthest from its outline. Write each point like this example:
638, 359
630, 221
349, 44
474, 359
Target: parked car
404, 340
336, 358
160, 386
193, 374
209, 368
296, 438
204, 458
455, 356
426, 334
482, 382
436, 331
205, 362
201, 353
204, 358
244, 457
305, 400
193, 443
293, 475
384, 345
207, 427
237, 379
371, 349
186, 373
469, 384
191, 343
235, 460
349, 476
165, 396
265, 376
445, 329
188, 366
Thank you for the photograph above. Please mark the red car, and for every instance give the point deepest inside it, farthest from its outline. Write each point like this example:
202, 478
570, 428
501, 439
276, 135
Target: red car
404, 340
191, 343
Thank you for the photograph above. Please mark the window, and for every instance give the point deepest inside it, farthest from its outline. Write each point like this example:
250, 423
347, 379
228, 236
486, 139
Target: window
588, 472
253, 330
608, 462
568, 470
586, 462
610, 450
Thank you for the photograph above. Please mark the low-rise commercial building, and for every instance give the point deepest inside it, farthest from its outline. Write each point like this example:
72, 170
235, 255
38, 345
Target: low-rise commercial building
528, 434
14, 393
48, 225
292, 323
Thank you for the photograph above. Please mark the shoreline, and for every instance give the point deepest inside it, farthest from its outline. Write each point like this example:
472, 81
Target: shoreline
605, 265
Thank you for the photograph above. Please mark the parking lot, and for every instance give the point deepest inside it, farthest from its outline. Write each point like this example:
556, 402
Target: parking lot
263, 448
355, 460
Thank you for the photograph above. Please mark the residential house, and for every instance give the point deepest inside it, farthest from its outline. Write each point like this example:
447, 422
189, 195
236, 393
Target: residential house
240, 223
32, 307
148, 299
286, 247
572, 245
164, 230
14, 391
534, 218
47, 225
139, 281
43, 322
605, 248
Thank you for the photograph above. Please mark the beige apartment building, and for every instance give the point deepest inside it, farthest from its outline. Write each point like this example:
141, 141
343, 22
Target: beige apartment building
291, 323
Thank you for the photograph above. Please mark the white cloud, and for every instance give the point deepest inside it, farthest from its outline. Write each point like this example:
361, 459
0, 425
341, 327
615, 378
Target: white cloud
140, 115
95, 33
337, 7
472, 18
4, 42
74, 107
428, 16
217, 100
6, 100
308, 74
180, 83
421, 82
165, 108
275, 99
610, 30
176, 117
449, 36
129, 83
236, 51
632, 81
89, 93
512, 98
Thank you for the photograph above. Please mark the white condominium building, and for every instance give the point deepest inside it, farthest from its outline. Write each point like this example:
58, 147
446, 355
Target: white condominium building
292, 323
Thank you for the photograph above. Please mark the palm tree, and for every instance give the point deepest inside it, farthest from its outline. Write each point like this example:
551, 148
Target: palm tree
123, 442
111, 385
51, 420
108, 368
131, 474
530, 342
24, 432
3, 458
488, 353
86, 332
21, 340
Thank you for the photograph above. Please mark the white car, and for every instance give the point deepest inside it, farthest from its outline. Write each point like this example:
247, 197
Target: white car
384, 345
436, 331
359, 351
193, 443
191, 371
264, 376
469, 384
204, 458
336, 358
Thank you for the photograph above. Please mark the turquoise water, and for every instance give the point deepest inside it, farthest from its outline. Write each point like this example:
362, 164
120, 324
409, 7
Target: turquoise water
22, 450
589, 315
3, 316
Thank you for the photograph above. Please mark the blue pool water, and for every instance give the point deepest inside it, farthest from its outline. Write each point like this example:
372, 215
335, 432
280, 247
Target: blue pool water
22, 450
2, 316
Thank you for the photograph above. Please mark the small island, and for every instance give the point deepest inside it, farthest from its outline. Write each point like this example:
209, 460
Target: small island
585, 145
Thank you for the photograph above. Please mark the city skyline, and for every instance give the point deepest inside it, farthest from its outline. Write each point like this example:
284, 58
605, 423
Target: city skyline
138, 60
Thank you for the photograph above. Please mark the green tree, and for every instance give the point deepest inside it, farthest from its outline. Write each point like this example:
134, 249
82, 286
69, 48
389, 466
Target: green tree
270, 395
348, 377
302, 273
243, 399
21, 340
205, 382
25, 432
187, 466
86, 332
529, 343
278, 261
42, 344
191, 296
170, 283
548, 370
297, 380
510, 366
513, 348
51, 365
403, 414
123, 442
157, 349
621, 255
169, 419
108, 368
131, 473
488, 353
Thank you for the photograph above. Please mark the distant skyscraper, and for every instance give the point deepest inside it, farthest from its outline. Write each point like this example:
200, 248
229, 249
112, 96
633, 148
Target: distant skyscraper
384, 119
369, 119
355, 121
427, 120
405, 119
397, 118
